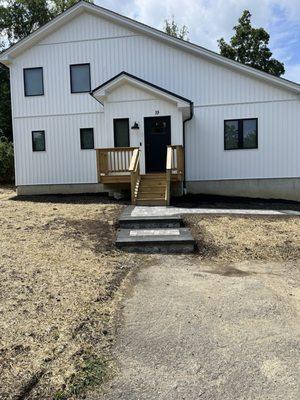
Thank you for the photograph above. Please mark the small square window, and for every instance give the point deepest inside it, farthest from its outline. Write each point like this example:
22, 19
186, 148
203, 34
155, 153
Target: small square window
87, 138
33, 81
38, 141
80, 78
240, 134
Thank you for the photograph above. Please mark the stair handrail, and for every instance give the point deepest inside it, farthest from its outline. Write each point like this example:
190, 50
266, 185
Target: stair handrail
134, 169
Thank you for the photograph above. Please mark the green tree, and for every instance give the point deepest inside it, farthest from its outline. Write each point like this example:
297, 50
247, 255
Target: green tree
6, 160
59, 6
19, 18
172, 29
5, 106
250, 46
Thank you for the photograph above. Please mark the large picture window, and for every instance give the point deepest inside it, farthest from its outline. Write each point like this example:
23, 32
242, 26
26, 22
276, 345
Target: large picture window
33, 81
80, 78
121, 132
87, 138
38, 141
240, 134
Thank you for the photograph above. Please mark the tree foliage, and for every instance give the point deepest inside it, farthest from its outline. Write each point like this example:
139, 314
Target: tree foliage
58, 6
250, 46
5, 105
6, 160
172, 29
19, 18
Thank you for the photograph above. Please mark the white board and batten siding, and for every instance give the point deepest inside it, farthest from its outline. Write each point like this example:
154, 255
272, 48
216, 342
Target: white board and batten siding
218, 93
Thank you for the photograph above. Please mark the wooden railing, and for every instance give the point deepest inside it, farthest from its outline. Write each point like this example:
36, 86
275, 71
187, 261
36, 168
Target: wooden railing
134, 170
113, 161
174, 167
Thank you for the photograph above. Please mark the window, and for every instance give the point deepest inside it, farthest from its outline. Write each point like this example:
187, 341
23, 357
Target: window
80, 78
121, 132
38, 141
33, 81
86, 138
240, 134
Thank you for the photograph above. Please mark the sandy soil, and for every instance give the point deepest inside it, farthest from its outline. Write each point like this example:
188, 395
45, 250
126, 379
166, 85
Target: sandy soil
59, 270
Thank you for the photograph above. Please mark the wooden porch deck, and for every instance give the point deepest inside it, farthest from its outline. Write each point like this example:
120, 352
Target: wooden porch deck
121, 165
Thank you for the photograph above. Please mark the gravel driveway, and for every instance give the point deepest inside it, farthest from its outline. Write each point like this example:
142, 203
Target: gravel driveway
191, 330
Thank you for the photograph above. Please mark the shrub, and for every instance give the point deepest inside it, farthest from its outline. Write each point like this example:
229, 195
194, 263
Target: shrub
6, 161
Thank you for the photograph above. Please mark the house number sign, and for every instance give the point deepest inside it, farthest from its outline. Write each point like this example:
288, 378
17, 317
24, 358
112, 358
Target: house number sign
156, 112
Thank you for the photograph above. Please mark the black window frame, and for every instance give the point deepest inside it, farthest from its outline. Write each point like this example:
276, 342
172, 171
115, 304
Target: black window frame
79, 65
89, 148
24, 81
240, 134
128, 133
32, 139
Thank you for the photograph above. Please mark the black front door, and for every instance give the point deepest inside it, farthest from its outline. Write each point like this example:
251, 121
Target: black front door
157, 138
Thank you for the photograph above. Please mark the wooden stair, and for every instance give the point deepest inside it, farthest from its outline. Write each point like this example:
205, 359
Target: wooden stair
151, 190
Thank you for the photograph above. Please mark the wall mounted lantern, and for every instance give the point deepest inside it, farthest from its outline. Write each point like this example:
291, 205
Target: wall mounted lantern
135, 126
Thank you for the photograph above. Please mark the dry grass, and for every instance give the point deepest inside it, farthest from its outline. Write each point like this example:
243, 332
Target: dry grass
232, 238
58, 273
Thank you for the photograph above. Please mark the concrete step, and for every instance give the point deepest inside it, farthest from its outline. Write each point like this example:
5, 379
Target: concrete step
127, 221
160, 240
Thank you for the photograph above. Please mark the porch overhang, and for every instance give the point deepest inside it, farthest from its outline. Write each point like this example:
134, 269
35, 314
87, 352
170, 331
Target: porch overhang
101, 92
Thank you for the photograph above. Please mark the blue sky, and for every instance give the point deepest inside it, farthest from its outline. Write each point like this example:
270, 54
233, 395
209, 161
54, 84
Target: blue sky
208, 20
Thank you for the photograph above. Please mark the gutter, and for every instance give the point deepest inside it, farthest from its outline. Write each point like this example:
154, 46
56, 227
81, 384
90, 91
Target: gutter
183, 129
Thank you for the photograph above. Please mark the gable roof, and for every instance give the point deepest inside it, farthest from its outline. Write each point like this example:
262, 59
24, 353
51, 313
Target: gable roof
83, 6
102, 91
124, 76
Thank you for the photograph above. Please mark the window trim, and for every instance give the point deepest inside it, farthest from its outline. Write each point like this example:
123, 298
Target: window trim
128, 132
240, 134
78, 65
24, 82
32, 135
80, 131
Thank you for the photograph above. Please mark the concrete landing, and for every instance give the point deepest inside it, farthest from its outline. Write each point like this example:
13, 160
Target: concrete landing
129, 220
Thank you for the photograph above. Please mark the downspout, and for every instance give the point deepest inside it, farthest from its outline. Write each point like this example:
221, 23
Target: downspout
183, 130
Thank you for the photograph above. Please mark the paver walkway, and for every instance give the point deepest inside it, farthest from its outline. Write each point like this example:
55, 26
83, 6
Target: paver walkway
196, 331
155, 211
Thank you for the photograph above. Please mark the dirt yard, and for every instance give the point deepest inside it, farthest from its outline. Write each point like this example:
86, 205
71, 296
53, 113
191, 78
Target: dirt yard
59, 278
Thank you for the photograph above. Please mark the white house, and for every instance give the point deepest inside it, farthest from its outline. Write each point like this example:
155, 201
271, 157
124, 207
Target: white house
102, 102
